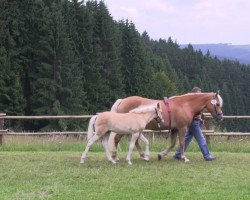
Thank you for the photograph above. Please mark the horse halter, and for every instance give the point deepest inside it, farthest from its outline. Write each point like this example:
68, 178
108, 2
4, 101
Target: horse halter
215, 104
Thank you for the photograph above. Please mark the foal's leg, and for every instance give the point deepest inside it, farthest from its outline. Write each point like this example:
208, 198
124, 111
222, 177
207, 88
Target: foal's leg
164, 153
144, 155
91, 141
113, 142
135, 136
106, 148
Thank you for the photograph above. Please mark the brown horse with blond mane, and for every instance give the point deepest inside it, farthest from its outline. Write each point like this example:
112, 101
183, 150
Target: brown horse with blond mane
178, 113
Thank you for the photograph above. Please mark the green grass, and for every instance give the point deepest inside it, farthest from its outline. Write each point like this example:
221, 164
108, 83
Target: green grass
58, 175
63, 143
48, 168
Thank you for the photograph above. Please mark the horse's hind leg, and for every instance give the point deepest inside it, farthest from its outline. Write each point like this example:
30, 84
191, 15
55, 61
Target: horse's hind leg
135, 136
91, 141
182, 145
167, 150
144, 155
105, 146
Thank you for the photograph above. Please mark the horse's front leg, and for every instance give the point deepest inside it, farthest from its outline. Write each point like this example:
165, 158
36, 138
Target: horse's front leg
135, 137
182, 133
164, 153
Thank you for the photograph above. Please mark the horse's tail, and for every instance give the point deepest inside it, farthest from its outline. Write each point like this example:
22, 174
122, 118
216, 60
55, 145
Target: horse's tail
91, 127
115, 105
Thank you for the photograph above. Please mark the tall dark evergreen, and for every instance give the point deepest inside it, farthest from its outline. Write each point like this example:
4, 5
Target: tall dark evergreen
161, 86
11, 99
135, 65
70, 57
105, 59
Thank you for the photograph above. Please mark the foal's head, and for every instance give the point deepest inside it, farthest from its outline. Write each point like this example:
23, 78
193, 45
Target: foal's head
159, 116
215, 107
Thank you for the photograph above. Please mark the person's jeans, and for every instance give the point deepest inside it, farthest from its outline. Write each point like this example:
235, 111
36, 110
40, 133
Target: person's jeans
195, 131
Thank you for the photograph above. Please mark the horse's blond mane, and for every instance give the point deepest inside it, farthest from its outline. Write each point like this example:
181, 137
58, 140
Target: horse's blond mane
220, 100
190, 94
144, 109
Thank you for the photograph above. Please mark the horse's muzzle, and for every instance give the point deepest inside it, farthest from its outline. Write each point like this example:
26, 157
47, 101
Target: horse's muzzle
219, 117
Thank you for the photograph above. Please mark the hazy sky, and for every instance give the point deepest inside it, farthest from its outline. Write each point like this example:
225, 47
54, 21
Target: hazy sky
187, 21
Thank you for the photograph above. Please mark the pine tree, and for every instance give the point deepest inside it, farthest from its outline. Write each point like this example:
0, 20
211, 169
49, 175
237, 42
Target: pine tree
11, 99
161, 86
136, 66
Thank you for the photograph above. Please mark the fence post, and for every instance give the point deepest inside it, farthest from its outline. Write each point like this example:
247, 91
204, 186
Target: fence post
2, 115
207, 126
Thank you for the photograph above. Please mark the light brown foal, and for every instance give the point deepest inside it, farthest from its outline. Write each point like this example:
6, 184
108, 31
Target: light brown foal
133, 122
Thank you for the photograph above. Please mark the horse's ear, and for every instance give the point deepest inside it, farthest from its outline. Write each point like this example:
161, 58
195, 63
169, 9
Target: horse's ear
218, 92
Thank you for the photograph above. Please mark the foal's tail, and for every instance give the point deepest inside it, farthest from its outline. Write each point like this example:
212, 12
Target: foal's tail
115, 105
91, 127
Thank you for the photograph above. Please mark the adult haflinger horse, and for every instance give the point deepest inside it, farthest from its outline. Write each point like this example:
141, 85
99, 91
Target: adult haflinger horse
133, 122
178, 113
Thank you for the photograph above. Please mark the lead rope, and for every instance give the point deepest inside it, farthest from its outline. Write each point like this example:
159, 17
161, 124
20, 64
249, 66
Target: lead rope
166, 101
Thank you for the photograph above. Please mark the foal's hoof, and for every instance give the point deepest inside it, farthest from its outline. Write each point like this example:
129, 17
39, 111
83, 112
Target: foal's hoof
115, 157
113, 162
129, 162
82, 162
146, 158
159, 156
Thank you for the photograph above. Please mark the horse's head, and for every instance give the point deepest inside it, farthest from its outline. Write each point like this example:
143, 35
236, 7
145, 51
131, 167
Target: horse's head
159, 116
215, 107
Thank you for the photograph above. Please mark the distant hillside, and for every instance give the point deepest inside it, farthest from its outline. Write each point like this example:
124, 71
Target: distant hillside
232, 52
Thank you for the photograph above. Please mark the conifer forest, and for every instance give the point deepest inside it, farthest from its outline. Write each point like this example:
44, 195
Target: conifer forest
60, 57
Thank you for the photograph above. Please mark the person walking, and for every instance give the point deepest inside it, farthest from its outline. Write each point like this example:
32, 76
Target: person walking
196, 132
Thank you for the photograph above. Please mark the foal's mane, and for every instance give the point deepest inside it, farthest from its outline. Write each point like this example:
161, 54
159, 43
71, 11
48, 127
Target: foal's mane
144, 109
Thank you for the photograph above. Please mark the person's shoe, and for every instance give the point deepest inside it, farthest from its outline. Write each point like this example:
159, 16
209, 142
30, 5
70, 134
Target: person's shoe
210, 158
177, 157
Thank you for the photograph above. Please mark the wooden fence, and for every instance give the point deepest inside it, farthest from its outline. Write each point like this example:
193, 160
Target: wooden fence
207, 131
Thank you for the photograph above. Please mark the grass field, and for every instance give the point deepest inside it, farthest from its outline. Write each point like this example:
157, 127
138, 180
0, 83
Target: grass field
42, 171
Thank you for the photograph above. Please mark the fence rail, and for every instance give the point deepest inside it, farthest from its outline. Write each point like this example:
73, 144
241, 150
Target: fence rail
47, 117
3, 131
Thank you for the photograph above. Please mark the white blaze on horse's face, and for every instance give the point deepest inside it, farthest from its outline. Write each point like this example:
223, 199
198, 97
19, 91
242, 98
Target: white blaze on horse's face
217, 104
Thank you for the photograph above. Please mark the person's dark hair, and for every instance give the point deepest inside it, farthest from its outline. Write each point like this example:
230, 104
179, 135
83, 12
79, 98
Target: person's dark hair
196, 89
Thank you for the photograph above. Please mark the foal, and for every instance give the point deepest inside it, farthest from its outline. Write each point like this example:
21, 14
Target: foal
133, 122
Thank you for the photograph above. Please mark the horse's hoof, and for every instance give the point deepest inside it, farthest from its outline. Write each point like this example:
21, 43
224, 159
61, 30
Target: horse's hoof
186, 160
159, 157
142, 155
